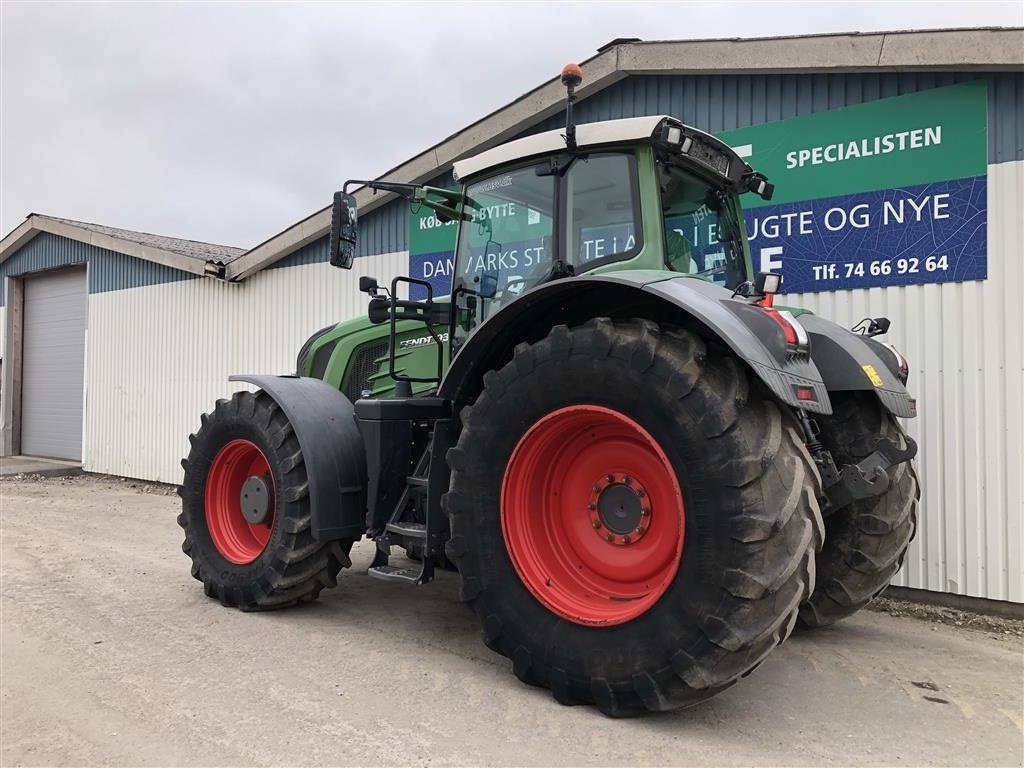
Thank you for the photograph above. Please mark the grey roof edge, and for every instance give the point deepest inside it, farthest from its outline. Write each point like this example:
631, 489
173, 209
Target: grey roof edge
195, 249
36, 223
993, 49
990, 48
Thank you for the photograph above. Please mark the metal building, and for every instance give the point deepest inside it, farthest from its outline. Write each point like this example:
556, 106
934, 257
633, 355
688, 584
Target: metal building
115, 341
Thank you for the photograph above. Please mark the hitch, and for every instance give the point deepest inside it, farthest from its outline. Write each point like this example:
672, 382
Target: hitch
868, 477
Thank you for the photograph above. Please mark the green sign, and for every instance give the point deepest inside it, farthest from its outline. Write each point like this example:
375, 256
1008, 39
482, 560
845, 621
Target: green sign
929, 136
427, 233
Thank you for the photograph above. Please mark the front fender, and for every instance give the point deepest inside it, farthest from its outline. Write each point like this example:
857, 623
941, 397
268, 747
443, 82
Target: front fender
332, 449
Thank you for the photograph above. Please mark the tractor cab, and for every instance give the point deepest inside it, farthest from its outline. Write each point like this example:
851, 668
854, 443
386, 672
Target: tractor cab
643, 194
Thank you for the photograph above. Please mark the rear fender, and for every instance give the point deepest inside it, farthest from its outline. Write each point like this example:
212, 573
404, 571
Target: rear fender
755, 339
332, 449
849, 362
751, 335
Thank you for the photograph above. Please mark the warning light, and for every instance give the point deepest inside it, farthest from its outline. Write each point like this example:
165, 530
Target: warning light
572, 75
804, 393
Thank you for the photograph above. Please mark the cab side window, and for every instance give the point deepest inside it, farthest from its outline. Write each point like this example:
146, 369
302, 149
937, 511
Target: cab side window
602, 209
702, 236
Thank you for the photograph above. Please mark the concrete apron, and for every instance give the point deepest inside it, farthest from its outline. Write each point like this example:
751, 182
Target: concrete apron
34, 465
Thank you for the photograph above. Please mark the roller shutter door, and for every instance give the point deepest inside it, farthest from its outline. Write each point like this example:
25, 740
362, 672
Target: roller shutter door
53, 364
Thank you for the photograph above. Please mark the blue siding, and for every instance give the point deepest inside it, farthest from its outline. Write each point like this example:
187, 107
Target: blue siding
311, 253
108, 270
717, 103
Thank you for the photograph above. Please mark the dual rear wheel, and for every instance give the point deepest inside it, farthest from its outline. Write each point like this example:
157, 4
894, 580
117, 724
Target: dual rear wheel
867, 540
653, 534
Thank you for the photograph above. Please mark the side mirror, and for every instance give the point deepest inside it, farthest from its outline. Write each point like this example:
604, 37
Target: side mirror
343, 231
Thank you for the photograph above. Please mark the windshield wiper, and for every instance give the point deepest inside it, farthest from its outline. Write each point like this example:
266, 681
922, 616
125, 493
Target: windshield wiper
558, 166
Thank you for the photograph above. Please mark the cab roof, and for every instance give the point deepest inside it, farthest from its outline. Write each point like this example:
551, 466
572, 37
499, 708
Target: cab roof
587, 135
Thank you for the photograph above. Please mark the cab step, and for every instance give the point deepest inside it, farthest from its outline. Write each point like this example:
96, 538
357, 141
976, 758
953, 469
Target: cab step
395, 574
408, 530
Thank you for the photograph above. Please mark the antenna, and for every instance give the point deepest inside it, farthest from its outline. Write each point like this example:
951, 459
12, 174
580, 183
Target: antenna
572, 76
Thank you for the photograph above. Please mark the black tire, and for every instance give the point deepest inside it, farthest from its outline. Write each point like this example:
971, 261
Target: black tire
866, 541
294, 567
752, 521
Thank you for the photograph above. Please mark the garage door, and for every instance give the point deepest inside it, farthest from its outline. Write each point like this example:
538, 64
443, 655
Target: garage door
53, 364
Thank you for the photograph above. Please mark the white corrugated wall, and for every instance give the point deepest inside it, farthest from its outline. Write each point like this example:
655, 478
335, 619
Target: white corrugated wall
965, 345
160, 355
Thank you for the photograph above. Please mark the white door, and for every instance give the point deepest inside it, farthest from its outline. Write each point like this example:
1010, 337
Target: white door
53, 364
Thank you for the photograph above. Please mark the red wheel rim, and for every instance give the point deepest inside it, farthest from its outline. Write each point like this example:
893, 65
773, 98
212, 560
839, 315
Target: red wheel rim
592, 515
238, 540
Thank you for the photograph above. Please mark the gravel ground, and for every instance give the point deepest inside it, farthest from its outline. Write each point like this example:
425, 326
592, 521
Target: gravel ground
111, 654
997, 627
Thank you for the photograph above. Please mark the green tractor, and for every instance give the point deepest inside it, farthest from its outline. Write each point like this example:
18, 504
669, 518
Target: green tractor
644, 471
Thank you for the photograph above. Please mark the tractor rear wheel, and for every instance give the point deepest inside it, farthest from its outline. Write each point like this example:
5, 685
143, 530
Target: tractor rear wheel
245, 510
633, 523
865, 541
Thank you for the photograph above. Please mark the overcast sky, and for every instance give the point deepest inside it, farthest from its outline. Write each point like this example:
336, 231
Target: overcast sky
229, 122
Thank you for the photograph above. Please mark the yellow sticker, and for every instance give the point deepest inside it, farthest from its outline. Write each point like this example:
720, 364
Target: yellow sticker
873, 375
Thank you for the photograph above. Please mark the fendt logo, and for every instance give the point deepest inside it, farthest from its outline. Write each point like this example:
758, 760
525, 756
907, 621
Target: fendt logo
421, 341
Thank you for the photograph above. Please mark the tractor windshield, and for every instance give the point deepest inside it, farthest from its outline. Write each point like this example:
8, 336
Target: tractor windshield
702, 229
507, 243
506, 239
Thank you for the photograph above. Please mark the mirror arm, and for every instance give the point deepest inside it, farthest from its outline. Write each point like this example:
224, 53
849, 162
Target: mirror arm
450, 196
448, 208
408, 191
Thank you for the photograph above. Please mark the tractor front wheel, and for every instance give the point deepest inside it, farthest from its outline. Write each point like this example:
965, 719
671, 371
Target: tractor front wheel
633, 522
245, 510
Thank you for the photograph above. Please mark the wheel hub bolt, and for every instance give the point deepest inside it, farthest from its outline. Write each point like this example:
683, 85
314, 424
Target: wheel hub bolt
618, 509
256, 499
